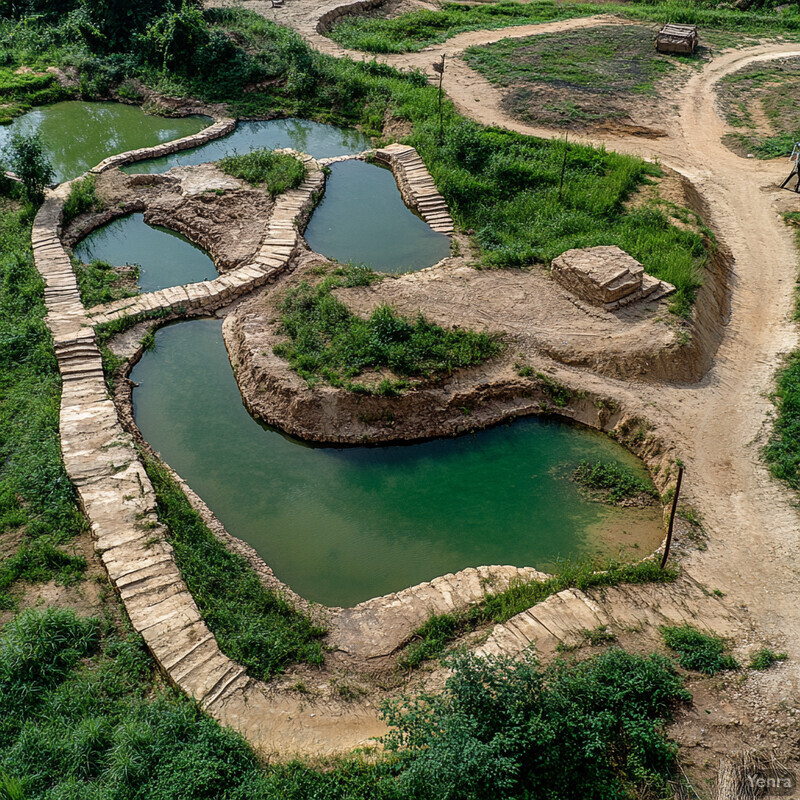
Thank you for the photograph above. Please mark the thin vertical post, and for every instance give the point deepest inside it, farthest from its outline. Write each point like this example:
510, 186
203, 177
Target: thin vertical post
563, 165
440, 70
672, 517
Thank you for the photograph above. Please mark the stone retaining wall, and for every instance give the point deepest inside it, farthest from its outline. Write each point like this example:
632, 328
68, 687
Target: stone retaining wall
417, 186
329, 14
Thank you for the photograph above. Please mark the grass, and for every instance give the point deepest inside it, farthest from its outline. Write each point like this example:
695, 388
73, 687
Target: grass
612, 483
765, 658
328, 342
782, 452
37, 501
432, 638
99, 282
253, 625
20, 91
277, 172
83, 197
698, 651
576, 76
414, 30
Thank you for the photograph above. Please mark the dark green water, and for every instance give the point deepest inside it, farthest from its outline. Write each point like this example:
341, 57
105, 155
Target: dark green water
314, 138
362, 218
77, 136
165, 258
343, 525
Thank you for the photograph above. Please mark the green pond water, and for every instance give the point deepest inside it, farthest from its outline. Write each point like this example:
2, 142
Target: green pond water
314, 138
77, 135
362, 218
165, 258
343, 525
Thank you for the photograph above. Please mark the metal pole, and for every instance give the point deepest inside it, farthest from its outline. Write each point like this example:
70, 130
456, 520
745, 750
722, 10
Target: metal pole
672, 518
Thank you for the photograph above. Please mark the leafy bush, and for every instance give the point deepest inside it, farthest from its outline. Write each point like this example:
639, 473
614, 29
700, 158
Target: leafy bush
698, 651
612, 482
278, 172
28, 161
765, 658
82, 198
504, 728
328, 342
254, 625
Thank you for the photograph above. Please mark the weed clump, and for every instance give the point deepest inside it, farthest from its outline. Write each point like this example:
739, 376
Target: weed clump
765, 658
277, 172
328, 342
611, 483
83, 197
99, 282
698, 651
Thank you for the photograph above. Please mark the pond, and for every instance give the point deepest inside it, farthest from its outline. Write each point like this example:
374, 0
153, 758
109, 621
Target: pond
341, 525
165, 258
362, 219
314, 138
77, 135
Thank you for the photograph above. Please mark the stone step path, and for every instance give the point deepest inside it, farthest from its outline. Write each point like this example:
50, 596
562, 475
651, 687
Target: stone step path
221, 127
562, 618
417, 186
280, 242
115, 492
375, 629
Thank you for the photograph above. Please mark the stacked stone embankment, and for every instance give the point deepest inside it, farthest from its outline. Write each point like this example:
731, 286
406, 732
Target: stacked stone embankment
281, 239
328, 15
417, 186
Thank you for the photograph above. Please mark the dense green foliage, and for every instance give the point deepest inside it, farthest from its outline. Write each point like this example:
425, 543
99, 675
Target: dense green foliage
765, 658
328, 342
417, 29
254, 625
610, 482
98, 282
83, 197
27, 159
782, 452
19, 91
37, 501
79, 718
510, 729
277, 172
698, 651
431, 639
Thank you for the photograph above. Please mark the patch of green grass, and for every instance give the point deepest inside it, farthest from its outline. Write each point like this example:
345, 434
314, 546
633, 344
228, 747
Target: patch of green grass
328, 342
277, 172
99, 282
37, 500
82, 198
432, 637
782, 452
598, 72
558, 392
765, 658
698, 651
612, 483
254, 626
598, 636
21, 90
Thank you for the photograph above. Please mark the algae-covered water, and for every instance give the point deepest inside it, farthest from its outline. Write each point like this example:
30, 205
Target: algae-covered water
342, 525
315, 138
362, 218
165, 258
78, 135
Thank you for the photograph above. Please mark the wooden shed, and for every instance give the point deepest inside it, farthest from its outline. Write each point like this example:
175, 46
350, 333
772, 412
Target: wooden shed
677, 39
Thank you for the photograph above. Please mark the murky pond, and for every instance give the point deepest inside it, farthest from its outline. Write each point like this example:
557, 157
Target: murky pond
314, 138
362, 218
343, 525
78, 135
165, 258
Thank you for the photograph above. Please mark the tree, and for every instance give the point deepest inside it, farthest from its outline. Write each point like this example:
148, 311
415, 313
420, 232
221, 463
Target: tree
30, 163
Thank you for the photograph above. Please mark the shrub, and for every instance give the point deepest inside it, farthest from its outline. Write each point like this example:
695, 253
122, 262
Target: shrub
765, 658
28, 161
98, 283
82, 198
698, 651
782, 452
278, 172
504, 728
612, 482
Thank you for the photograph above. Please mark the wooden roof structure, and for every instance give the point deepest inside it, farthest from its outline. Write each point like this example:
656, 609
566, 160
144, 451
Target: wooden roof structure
677, 39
